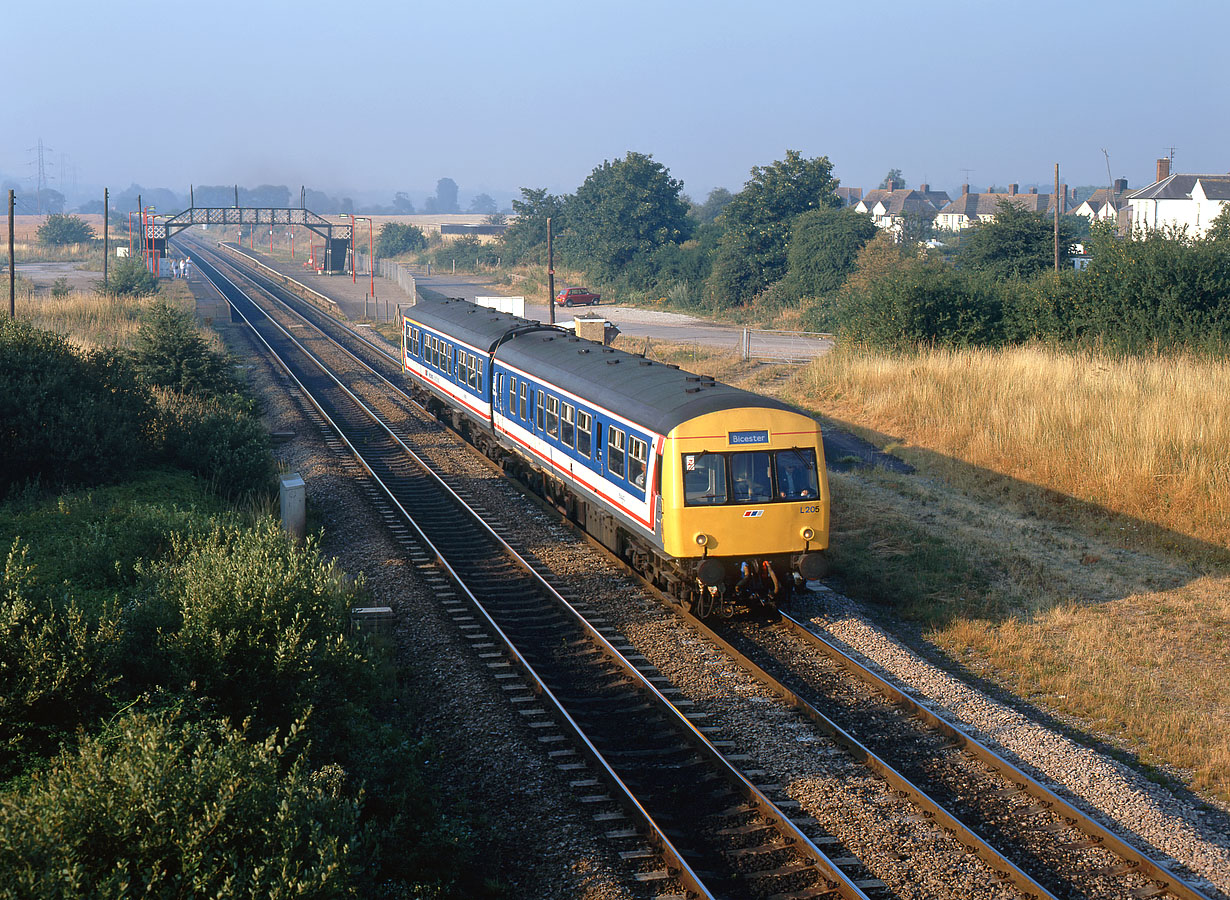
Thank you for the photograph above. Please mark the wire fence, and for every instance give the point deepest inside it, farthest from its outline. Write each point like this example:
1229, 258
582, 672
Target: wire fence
785, 346
400, 274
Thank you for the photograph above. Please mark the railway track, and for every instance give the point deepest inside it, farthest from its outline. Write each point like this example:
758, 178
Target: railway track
1027, 835
695, 821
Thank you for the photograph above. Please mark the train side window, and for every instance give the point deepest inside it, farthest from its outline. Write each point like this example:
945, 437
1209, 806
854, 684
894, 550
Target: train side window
704, 479
539, 408
638, 460
474, 372
431, 353
567, 427
523, 391
553, 416
584, 437
478, 374
451, 369
414, 342
615, 451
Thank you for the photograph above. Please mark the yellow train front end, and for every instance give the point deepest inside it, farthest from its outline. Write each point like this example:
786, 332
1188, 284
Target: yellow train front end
745, 506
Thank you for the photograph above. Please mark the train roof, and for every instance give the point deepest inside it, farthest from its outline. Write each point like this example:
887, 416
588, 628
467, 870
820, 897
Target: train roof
652, 394
477, 326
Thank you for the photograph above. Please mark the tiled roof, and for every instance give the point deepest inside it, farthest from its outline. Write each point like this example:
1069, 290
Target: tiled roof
971, 205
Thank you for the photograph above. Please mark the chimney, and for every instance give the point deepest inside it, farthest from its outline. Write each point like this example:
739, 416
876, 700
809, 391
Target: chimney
924, 188
964, 189
1012, 190
1163, 168
1120, 185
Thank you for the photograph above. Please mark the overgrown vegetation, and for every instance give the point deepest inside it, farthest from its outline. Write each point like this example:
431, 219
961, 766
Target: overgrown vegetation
183, 711
396, 239
60, 230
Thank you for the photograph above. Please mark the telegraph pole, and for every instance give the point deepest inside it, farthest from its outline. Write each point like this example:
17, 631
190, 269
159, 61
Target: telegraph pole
106, 243
550, 274
12, 265
1056, 218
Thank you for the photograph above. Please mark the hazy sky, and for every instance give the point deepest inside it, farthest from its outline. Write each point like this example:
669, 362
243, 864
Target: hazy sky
358, 96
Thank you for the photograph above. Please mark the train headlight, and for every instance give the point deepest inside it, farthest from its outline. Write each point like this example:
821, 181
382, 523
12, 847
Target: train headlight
702, 539
808, 533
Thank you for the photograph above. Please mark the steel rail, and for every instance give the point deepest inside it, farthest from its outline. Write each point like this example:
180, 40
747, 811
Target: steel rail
970, 745
838, 880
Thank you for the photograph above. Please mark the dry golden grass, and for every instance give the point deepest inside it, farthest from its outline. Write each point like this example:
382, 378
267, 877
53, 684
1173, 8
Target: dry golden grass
93, 321
1145, 438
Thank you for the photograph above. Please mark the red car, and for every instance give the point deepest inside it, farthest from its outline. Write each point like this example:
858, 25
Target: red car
577, 296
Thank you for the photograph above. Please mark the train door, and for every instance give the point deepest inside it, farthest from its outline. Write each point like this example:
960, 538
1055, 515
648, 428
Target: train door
497, 393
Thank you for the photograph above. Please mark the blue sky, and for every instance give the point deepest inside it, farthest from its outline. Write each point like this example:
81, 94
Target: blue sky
366, 97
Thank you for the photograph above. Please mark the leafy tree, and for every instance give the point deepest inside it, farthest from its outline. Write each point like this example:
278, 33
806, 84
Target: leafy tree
59, 230
401, 203
129, 278
445, 198
496, 218
718, 200
1219, 228
824, 247
525, 240
892, 180
752, 252
396, 239
483, 204
625, 209
1018, 244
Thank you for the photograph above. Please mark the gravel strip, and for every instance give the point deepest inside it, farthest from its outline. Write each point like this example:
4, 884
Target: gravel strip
1173, 832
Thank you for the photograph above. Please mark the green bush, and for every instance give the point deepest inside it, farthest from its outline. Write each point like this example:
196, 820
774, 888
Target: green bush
55, 666
219, 439
60, 230
129, 278
171, 353
168, 808
67, 415
264, 625
396, 239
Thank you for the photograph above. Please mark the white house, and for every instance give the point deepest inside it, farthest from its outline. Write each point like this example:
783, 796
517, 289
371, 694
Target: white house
969, 209
890, 208
1184, 202
1104, 203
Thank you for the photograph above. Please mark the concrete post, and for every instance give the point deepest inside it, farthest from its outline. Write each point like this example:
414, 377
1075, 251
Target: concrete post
294, 505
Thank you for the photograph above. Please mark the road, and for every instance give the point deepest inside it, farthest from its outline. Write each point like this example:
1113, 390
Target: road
634, 322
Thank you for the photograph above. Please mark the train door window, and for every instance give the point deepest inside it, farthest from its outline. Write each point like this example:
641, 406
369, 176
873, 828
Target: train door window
751, 477
451, 369
797, 478
615, 451
432, 353
553, 416
584, 423
704, 479
567, 425
414, 342
638, 460
478, 374
473, 374
523, 392
539, 410
497, 395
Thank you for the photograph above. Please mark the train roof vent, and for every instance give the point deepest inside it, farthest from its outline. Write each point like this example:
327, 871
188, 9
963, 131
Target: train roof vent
692, 378
646, 362
691, 390
608, 349
612, 362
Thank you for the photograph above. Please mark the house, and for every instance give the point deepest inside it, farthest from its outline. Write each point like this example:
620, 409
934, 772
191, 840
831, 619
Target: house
970, 209
889, 208
849, 196
1185, 202
1104, 203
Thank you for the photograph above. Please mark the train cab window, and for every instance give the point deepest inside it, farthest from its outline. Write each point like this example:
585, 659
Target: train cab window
751, 476
704, 479
638, 460
584, 434
408, 336
538, 420
523, 392
615, 451
553, 416
797, 478
567, 425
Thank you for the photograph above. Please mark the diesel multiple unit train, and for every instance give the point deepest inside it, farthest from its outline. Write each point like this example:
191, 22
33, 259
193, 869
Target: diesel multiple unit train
716, 495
